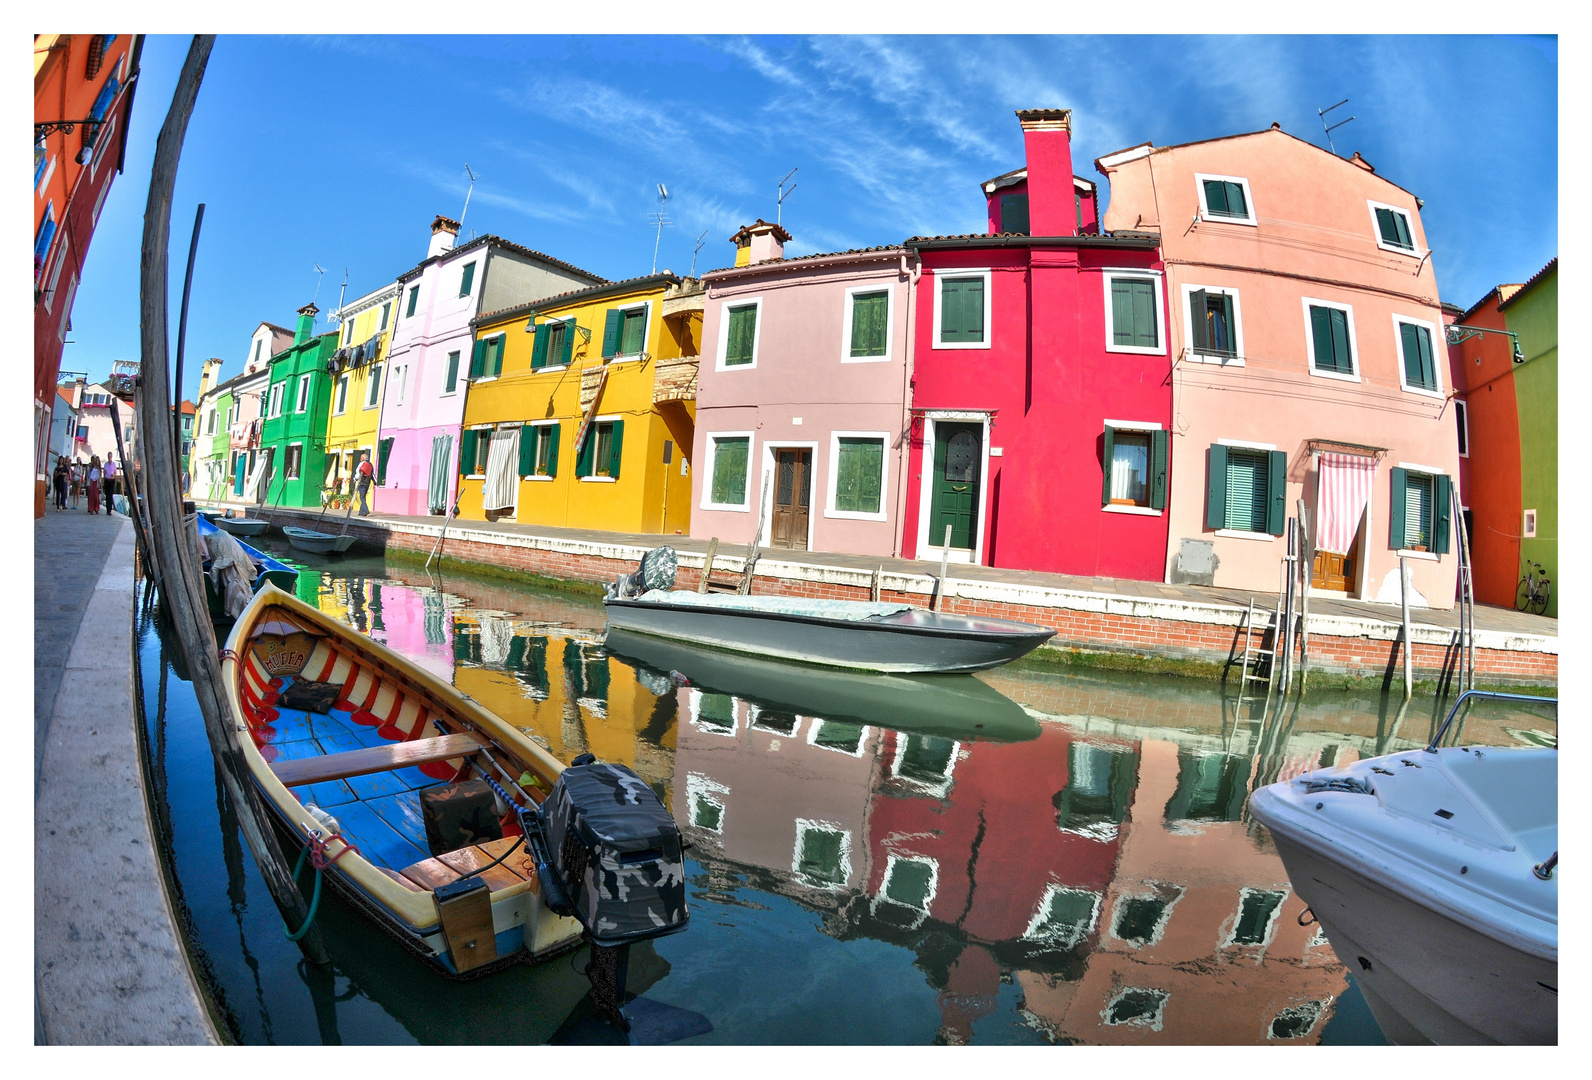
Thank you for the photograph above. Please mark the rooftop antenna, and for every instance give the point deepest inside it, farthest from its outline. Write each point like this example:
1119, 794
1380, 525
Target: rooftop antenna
700, 241
662, 221
340, 293
1322, 113
321, 273
468, 193
779, 204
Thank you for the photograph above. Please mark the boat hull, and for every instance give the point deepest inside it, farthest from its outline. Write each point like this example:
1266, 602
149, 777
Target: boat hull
241, 526
911, 641
317, 543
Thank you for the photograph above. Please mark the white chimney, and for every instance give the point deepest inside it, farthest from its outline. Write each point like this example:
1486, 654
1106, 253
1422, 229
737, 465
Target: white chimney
443, 233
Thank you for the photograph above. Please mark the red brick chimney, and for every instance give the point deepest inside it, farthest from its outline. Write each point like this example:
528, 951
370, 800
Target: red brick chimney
1047, 143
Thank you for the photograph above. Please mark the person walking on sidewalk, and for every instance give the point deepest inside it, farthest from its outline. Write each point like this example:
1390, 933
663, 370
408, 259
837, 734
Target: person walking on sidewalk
59, 480
96, 476
74, 482
109, 484
366, 473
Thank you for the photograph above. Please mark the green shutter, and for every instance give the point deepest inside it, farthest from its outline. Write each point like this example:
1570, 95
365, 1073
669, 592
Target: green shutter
466, 280
1396, 510
1108, 450
383, 452
497, 353
742, 336
729, 471
612, 327
1340, 341
635, 339
1215, 197
583, 459
1405, 239
1121, 313
527, 450
1133, 313
857, 475
568, 350
539, 349
414, 294
478, 360
1014, 214
1144, 334
869, 314
467, 451
1235, 199
1216, 489
962, 310
1321, 337
1248, 493
1200, 317
1159, 445
552, 448
616, 449
973, 309
1412, 354
951, 310
1276, 491
1442, 513
453, 372
1428, 371
1394, 228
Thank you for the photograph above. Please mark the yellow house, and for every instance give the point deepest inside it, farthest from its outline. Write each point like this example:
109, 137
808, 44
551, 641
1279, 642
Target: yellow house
360, 365
581, 407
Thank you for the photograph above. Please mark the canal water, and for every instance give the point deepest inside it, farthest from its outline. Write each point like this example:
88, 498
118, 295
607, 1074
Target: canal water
1030, 857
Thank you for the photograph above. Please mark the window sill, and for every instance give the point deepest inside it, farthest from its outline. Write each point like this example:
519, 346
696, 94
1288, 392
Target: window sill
597, 480
1215, 358
750, 365
484, 378
864, 359
1135, 350
960, 345
739, 508
855, 515
1208, 218
1341, 377
1397, 250
548, 479
1423, 392
1145, 511
1428, 556
1241, 534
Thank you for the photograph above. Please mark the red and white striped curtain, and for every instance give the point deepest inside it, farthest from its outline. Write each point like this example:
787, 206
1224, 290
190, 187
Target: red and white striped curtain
1342, 490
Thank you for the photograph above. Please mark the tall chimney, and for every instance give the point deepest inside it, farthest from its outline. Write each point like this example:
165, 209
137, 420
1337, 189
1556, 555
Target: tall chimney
1047, 143
444, 231
306, 324
209, 375
759, 243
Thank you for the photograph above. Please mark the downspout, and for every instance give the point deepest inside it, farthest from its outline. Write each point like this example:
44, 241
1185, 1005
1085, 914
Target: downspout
906, 406
456, 477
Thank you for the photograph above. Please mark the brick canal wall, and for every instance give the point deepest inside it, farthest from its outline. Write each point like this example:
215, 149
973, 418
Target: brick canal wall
1090, 622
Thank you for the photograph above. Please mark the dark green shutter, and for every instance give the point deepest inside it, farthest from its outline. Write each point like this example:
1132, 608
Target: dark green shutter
583, 459
1428, 369
552, 449
729, 470
1276, 491
414, 294
1144, 334
466, 280
612, 328
1396, 510
539, 349
1200, 316
1121, 313
1158, 452
1442, 513
1321, 337
497, 353
973, 309
527, 450
1339, 322
616, 449
962, 310
1216, 489
1230, 348
1133, 313
1107, 452
1235, 199
383, 452
467, 451
635, 339
742, 336
869, 315
568, 349
478, 360
1014, 214
1215, 197
857, 475
1404, 237
453, 372
950, 310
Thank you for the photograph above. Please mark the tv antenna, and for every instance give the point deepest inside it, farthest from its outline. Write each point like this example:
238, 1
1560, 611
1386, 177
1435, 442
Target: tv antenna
468, 192
662, 221
320, 272
783, 191
1322, 113
340, 293
700, 241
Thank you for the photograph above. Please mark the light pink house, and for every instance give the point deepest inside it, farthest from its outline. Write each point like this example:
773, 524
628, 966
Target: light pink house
802, 383
1308, 363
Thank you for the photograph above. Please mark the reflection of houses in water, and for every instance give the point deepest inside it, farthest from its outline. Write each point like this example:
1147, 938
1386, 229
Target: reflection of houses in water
409, 619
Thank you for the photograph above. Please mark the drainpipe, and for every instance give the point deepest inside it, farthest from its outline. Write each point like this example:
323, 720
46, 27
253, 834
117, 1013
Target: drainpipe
906, 406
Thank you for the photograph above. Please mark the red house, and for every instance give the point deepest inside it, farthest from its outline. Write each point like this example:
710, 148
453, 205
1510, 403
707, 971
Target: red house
1041, 393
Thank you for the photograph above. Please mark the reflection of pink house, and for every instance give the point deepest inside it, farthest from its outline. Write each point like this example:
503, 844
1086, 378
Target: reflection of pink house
1041, 403
412, 622
428, 357
1308, 362
803, 379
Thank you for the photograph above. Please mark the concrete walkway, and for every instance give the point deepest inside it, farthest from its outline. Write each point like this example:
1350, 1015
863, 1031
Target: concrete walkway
108, 965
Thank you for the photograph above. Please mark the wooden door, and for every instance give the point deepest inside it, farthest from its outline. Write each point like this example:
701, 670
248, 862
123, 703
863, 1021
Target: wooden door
792, 497
1333, 571
954, 490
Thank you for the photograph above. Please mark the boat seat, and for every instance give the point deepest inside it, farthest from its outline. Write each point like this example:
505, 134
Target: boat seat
373, 759
431, 873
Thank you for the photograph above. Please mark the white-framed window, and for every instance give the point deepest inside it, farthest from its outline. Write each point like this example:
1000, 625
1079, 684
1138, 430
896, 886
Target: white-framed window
466, 279
348, 331
210, 419
414, 295
302, 401
1420, 510
1528, 524
726, 485
739, 324
867, 333
1065, 916
962, 309
857, 475
842, 738
386, 313
1140, 919
450, 381
275, 408
1256, 919
705, 801
373, 387
400, 383
342, 395
1225, 199
625, 331
1135, 312
541, 453
1134, 456
1213, 325
907, 890
823, 853
1246, 490
1393, 227
1417, 345
602, 454
1462, 421
1329, 340
292, 461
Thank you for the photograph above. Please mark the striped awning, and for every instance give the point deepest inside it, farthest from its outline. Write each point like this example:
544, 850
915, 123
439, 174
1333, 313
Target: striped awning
1343, 488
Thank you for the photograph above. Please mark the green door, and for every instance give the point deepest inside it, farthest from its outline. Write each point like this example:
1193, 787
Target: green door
958, 461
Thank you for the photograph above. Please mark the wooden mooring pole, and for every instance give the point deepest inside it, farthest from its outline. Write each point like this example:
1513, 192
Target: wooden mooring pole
175, 546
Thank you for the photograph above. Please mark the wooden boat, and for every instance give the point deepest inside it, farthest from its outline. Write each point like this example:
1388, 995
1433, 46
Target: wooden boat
361, 761
273, 570
317, 543
1432, 873
948, 706
238, 526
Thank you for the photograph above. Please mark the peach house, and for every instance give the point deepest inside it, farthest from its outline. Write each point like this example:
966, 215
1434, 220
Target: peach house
800, 398
1307, 363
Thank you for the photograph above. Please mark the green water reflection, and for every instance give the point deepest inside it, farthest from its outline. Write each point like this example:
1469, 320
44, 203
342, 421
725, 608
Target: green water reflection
1030, 857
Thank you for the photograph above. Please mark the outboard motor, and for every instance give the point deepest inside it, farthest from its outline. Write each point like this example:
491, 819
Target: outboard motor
608, 853
657, 571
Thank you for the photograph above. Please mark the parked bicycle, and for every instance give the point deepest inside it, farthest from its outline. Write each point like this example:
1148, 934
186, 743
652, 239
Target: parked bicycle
1532, 595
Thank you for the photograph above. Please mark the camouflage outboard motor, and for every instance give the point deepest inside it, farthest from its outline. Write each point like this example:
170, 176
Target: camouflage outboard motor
609, 854
657, 571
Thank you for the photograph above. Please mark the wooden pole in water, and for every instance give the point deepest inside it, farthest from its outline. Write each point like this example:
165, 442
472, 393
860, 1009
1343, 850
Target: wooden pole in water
1404, 603
751, 549
176, 547
945, 561
707, 564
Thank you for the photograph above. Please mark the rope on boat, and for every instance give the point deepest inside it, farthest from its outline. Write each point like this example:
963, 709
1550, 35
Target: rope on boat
316, 852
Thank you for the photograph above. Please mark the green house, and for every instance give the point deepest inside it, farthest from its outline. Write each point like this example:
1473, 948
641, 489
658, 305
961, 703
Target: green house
297, 407
1533, 314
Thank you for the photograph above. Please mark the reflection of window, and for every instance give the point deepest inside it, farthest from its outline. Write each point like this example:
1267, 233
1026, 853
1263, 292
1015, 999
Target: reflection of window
926, 759
1210, 787
831, 735
780, 723
1257, 913
1099, 782
1065, 916
907, 891
705, 800
716, 713
1138, 917
1132, 1005
586, 665
527, 660
823, 853
1296, 1021
467, 644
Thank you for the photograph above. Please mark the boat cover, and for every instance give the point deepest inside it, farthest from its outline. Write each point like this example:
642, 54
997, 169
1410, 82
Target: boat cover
849, 610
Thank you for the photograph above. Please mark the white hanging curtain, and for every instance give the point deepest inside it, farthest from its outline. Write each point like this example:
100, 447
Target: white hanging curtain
1343, 488
252, 490
502, 470
496, 636
437, 491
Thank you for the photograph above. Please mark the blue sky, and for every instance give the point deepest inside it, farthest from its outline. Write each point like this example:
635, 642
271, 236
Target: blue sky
340, 151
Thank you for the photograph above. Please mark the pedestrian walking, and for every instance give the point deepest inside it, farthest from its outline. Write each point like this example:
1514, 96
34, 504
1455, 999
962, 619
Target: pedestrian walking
95, 477
108, 484
366, 474
74, 482
62, 470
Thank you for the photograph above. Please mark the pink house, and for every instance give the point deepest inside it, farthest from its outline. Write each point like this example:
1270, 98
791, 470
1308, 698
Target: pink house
800, 398
1041, 403
1307, 363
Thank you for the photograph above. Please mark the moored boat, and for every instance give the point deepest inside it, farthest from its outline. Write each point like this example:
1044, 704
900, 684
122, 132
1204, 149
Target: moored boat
238, 526
273, 570
316, 542
1433, 875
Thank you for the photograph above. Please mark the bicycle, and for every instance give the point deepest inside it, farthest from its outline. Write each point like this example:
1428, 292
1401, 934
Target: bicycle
1532, 595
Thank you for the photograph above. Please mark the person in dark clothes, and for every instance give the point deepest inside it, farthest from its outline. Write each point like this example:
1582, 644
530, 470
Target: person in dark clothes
60, 483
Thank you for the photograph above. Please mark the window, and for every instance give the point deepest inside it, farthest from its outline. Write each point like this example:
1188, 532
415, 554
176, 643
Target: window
486, 360
400, 382
303, 400
738, 334
730, 456
42, 239
1065, 917
1247, 490
386, 311
474, 444
1133, 313
600, 454
625, 331
857, 481
1462, 420
867, 324
555, 344
1392, 225
342, 394
210, 420
1141, 1008
276, 400
452, 384
823, 853
539, 450
839, 737
414, 295
256, 359
348, 331
383, 452
292, 461
1014, 214
1419, 517
1417, 369
1213, 323
1134, 466
1528, 518
1140, 920
467, 279
961, 311
373, 387
1257, 914
1225, 198
1330, 340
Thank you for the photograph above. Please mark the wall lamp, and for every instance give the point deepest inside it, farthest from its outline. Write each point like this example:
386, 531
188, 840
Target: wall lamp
1456, 333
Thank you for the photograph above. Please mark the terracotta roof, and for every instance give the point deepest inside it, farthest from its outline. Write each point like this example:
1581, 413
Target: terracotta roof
1003, 239
760, 226
1532, 280
506, 245
607, 288
769, 264
61, 393
186, 408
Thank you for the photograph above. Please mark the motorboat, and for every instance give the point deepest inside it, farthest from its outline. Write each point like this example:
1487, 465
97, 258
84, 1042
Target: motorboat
237, 526
316, 542
270, 569
858, 634
950, 706
1433, 874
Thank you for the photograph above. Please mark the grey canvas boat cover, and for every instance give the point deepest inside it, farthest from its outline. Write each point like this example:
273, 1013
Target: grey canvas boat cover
802, 607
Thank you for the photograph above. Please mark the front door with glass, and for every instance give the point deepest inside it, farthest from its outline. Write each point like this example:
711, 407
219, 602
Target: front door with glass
954, 485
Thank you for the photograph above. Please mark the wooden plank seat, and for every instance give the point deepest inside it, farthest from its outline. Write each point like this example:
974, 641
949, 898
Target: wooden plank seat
373, 759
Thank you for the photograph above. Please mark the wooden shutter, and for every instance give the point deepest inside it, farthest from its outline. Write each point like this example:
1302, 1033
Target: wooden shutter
1405, 239
1121, 312
1236, 206
1410, 339
616, 448
477, 360
1159, 446
497, 353
1423, 341
414, 294
1276, 491
951, 310
634, 342
527, 450
1216, 489
1216, 198
869, 313
466, 280
1014, 214
612, 327
729, 470
568, 349
1107, 452
1396, 509
539, 349
1442, 513
552, 448
1230, 348
857, 473
383, 452
453, 372
583, 460
467, 450
1321, 338
1199, 316
1144, 334
973, 309
742, 335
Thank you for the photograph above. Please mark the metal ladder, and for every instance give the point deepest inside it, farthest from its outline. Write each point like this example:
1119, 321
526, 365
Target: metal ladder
1253, 652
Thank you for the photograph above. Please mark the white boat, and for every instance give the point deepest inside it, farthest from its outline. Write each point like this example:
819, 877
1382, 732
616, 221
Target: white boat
1433, 874
315, 542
